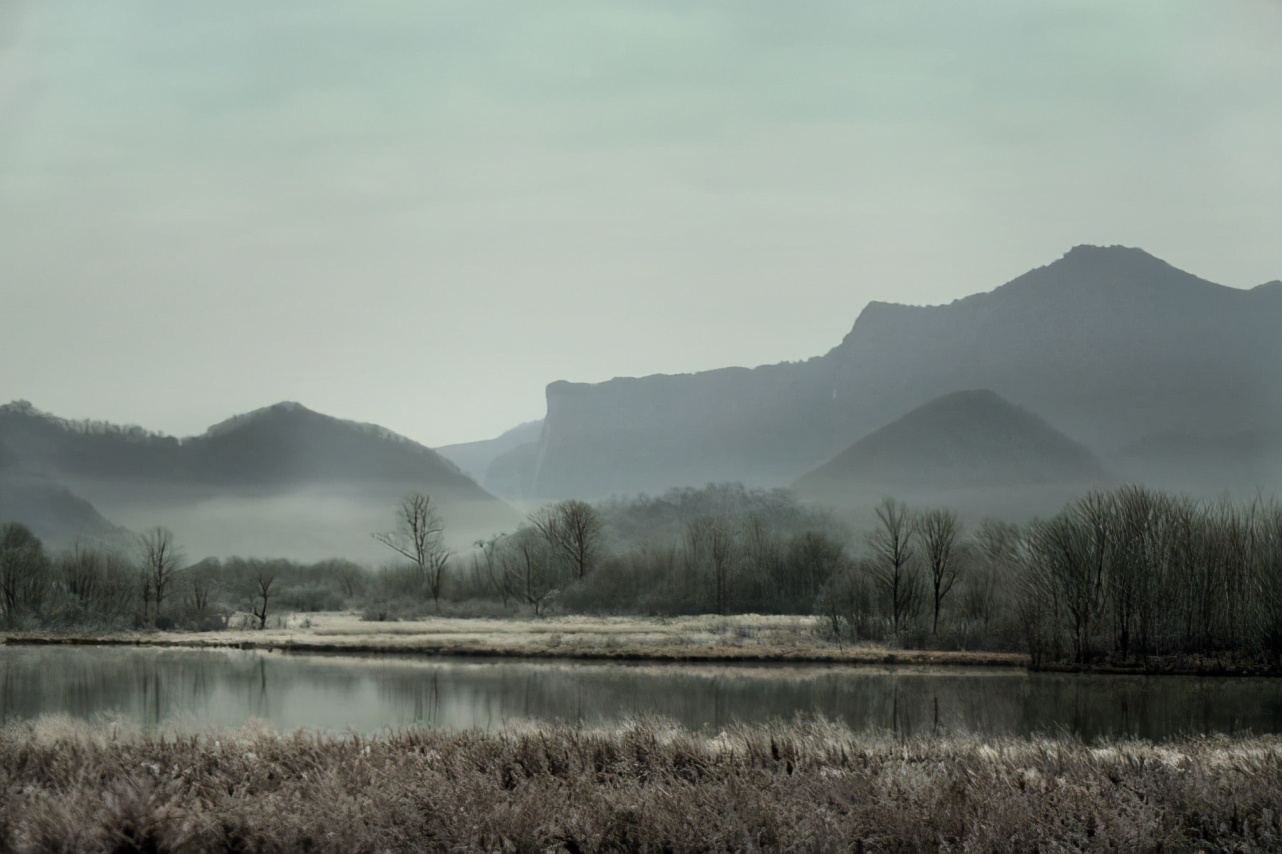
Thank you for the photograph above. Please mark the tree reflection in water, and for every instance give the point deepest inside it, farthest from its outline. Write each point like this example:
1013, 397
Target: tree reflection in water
154, 687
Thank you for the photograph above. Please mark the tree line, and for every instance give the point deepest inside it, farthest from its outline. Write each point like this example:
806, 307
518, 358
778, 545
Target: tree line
1119, 574
148, 584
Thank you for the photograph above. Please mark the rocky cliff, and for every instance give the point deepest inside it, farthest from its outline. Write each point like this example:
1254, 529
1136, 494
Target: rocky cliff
1107, 343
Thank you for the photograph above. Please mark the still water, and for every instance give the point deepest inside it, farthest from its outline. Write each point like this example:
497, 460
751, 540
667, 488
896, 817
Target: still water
226, 688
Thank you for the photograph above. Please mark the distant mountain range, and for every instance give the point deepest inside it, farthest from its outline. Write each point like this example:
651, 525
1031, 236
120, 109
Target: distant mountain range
1156, 375
1108, 344
281, 480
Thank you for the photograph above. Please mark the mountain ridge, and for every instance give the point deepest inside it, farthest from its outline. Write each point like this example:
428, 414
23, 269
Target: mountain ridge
1107, 343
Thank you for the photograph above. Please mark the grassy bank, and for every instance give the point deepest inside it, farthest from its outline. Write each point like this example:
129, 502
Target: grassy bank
649, 786
748, 638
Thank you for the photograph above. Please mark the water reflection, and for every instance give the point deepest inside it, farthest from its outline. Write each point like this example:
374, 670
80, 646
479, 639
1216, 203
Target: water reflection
222, 688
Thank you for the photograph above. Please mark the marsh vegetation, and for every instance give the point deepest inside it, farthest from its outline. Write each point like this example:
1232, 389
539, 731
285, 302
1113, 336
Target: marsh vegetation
646, 786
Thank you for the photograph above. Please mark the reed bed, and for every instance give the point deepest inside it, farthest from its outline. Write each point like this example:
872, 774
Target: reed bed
648, 786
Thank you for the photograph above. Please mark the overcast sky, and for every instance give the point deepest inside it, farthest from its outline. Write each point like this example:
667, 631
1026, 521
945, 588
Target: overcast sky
420, 213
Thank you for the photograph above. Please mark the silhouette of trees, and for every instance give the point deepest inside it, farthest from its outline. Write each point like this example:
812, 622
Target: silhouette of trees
22, 572
160, 559
1135, 572
420, 537
487, 569
895, 560
1127, 575
97, 583
710, 551
531, 568
572, 530
992, 560
939, 532
264, 579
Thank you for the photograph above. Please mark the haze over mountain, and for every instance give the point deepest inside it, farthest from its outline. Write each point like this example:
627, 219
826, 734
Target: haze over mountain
972, 450
1109, 344
282, 480
963, 439
474, 458
52, 511
45, 506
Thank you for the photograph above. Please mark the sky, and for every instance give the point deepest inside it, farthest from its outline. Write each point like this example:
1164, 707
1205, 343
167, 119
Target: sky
418, 214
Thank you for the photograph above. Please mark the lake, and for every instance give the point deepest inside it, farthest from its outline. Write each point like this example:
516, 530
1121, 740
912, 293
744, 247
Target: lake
194, 689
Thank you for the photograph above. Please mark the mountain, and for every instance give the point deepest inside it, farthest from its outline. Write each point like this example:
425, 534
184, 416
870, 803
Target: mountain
1108, 343
962, 440
278, 481
475, 458
52, 512
511, 474
49, 509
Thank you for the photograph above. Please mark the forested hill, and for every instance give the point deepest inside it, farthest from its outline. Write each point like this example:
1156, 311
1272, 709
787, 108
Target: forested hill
282, 481
1109, 344
284, 445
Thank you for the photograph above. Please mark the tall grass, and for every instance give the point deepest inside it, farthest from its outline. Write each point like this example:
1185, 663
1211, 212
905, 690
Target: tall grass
649, 786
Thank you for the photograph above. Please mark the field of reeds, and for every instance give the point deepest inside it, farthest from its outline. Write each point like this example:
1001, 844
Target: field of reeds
740, 637
648, 786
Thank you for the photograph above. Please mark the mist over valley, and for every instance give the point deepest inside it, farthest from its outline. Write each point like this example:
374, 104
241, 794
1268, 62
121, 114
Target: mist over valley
960, 405
593, 427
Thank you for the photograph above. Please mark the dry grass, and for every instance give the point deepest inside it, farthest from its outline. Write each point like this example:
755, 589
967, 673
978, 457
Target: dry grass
747, 637
645, 787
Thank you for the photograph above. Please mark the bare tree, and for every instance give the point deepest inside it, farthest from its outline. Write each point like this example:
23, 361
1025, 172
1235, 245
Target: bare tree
97, 581
846, 600
530, 568
80, 571
22, 569
895, 565
198, 583
1268, 575
420, 537
264, 579
349, 576
765, 569
488, 568
811, 558
995, 550
161, 558
1036, 597
1063, 552
573, 530
710, 548
1133, 564
939, 531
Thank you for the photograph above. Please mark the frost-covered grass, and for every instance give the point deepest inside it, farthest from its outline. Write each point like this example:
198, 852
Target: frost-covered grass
749, 637
646, 786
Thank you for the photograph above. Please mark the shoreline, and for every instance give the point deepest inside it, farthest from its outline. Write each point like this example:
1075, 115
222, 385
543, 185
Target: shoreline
739, 639
742, 639
851, 656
